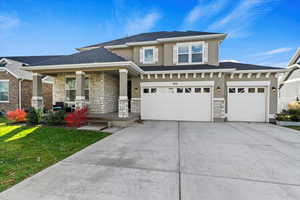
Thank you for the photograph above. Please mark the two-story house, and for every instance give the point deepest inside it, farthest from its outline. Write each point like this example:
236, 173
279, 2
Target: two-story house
163, 76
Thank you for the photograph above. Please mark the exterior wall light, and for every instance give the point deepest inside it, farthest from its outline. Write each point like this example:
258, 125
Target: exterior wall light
274, 89
218, 89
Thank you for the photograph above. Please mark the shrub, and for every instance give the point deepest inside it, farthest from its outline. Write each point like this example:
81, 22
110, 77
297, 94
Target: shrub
17, 115
77, 118
54, 117
283, 117
34, 116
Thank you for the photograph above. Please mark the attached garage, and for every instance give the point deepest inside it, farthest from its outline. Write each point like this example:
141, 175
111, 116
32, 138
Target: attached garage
184, 101
247, 101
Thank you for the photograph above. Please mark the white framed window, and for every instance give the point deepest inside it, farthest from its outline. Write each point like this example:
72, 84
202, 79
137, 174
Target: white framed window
190, 53
4, 91
148, 55
70, 88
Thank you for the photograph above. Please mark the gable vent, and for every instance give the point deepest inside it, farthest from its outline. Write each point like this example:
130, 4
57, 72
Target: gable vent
3, 63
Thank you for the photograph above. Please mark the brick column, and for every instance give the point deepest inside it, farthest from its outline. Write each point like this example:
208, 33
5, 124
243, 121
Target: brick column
123, 98
37, 93
80, 84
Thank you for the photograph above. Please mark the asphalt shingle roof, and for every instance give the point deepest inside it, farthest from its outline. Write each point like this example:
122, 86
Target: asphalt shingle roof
30, 59
89, 56
151, 36
223, 65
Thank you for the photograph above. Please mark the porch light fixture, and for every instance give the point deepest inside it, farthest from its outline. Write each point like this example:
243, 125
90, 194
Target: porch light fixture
274, 89
218, 89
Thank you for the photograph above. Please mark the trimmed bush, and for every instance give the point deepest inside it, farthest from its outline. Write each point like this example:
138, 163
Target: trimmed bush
77, 118
34, 116
17, 115
54, 118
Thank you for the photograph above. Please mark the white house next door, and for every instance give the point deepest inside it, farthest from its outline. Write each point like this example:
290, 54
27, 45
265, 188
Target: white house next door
247, 103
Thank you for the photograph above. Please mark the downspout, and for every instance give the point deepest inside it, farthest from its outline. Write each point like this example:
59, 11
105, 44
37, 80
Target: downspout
20, 93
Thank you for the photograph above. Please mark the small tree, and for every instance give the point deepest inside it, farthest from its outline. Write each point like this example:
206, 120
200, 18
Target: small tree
34, 116
77, 118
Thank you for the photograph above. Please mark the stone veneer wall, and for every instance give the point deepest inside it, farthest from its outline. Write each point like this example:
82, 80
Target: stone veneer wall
135, 105
219, 109
104, 91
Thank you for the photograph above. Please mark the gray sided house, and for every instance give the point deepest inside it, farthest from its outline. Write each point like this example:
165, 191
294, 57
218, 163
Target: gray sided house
161, 76
290, 82
16, 84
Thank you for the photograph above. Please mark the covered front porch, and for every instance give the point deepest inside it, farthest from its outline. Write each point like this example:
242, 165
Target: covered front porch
104, 90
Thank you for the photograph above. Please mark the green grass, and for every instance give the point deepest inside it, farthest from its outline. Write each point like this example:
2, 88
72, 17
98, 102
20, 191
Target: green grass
294, 127
26, 150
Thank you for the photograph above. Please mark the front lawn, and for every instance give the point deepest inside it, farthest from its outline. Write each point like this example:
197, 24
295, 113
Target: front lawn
26, 150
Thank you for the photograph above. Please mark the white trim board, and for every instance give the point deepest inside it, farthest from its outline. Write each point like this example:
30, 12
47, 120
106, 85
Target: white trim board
178, 84
248, 83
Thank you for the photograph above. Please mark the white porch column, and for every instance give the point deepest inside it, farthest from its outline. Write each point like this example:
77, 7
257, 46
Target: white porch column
80, 84
123, 98
37, 93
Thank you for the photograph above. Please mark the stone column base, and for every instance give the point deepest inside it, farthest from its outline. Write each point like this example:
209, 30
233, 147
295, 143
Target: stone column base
37, 102
80, 102
219, 109
135, 105
123, 108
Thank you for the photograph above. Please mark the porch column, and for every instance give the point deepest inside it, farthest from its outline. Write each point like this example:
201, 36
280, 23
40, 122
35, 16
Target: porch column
37, 93
123, 98
80, 84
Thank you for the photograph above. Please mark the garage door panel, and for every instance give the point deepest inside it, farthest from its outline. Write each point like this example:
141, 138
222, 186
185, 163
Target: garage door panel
167, 104
249, 105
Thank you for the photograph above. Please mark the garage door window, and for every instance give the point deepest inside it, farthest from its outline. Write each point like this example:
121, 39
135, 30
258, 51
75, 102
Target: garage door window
197, 90
231, 90
261, 90
153, 90
146, 90
179, 90
241, 90
206, 90
251, 90
187, 90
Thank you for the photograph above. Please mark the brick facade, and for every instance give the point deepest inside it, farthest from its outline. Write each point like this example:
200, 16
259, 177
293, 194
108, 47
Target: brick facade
26, 93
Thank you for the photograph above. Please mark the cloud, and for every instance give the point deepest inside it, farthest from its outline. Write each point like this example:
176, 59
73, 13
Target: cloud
274, 51
140, 24
201, 10
8, 22
242, 16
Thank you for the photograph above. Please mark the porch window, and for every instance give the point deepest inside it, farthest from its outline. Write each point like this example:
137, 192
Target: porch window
4, 90
71, 89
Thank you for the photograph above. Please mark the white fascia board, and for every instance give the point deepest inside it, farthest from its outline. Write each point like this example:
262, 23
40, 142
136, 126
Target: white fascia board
248, 83
141, 43
7, 70
294, 57
189, 71
129, 64
293, 66
116, 46
177, 83
200, 37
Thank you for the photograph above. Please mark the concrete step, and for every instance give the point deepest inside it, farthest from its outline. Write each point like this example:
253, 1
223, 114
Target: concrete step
92, 128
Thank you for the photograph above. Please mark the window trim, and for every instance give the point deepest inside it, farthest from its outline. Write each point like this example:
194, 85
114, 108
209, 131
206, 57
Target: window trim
5, 80
190, 44
153, 58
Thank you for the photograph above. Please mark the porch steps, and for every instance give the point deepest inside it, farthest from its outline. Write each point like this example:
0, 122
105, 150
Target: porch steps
98, 122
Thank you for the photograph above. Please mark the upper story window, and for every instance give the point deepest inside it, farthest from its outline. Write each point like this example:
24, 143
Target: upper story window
148, 55
4, 90
190, 53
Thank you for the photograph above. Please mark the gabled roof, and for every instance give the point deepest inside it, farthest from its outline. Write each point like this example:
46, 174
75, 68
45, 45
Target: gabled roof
223, 65
30, 59
296, 58
97, 55
151, 36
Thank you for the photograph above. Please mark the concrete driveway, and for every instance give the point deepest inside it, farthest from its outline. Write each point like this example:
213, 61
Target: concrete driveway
176, 161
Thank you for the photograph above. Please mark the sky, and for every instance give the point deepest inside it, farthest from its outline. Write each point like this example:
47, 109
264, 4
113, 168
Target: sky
264, 32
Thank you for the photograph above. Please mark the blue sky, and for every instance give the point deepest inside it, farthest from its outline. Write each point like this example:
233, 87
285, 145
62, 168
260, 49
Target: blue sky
259, 31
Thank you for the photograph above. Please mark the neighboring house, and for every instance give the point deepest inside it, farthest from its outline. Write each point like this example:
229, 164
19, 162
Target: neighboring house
290, 84
163, 76
16, 84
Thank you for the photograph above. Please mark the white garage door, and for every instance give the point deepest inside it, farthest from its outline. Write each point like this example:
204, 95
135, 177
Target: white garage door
247, 103
186, 103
